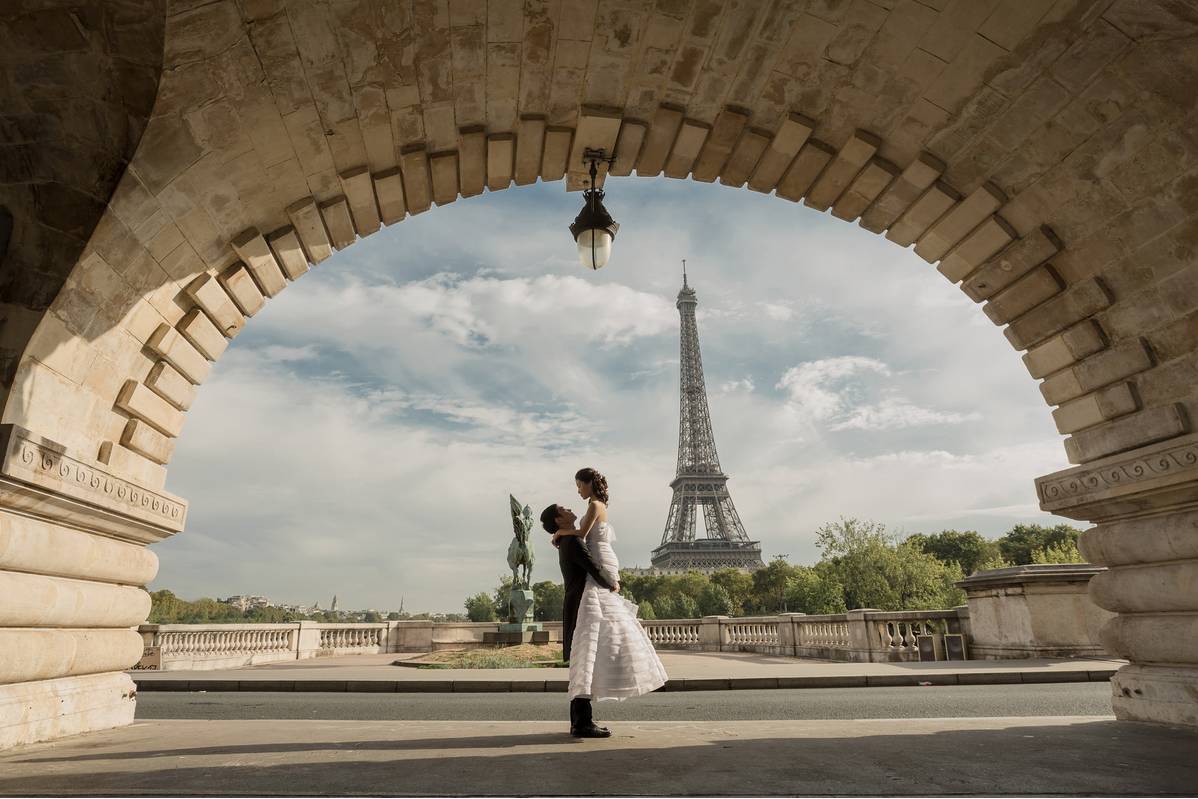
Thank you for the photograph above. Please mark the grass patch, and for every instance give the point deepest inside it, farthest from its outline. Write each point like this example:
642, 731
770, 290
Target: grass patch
524, 656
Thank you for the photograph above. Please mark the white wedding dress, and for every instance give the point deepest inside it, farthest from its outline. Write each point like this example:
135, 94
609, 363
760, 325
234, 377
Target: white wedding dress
611, 654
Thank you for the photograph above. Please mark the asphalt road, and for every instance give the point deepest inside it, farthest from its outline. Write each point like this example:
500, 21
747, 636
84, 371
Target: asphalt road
947, 701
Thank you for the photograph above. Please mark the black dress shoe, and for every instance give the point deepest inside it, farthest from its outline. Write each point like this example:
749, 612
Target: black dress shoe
591, 731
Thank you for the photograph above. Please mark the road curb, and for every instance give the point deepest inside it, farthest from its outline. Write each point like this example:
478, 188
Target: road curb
146, 682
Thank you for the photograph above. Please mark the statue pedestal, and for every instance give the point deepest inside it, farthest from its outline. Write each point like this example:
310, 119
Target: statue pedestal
519, 628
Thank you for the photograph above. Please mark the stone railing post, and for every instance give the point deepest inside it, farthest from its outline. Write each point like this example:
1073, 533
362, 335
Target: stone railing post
307, 640
862, 642
1034, 611
788, 633
713, 637
412, 636
1143, 504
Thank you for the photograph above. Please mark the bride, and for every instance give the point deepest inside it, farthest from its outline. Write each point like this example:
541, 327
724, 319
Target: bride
611, 654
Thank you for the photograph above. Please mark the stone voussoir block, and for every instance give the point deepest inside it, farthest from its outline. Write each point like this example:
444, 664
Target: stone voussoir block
290, 253
1023, 295
1136, 430
253, 250
137, 400
959, 222
170, 345
1078, 302
339, 223
167, 382
986, 240
359, 189
1092, 409
908, 187
744, 157
837, 176
923, 213
206, 292
309, 227
663, 130
501, 155
554, 161
417, 185
198, 329
687, 146
729, 124
472, 160
530, 142
388, 187
628, 146
865, 188
790, 138
147, 442
806, 167
240, 286
1012, 263
1065, 348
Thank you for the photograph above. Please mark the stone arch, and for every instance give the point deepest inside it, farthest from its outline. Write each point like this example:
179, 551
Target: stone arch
1040, 153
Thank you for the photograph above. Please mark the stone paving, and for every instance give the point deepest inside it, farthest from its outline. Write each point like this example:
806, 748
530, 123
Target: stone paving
688, 671
978, 756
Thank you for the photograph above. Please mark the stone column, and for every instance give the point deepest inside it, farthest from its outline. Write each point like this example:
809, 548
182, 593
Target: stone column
861, 639
711, 633
1144, 505
73, 566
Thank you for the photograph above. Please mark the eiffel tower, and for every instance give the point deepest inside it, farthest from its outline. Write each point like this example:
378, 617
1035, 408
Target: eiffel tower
700, 482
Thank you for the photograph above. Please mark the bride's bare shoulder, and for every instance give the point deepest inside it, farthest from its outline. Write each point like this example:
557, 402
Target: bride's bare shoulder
600, 508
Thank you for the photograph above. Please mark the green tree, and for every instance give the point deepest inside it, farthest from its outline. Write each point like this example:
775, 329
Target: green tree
714, 601
1060, 553
769, 586
393, 616
876, 572
967, 548
1022, 540
738, 585
501, 597
371, 617
549, 598
810, 591
646, 610
676, 606
481, 607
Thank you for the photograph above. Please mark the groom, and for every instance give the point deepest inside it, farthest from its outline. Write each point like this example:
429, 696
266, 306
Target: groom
575, 564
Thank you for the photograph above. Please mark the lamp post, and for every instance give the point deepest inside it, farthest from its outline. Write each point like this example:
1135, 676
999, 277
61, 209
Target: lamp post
593, 228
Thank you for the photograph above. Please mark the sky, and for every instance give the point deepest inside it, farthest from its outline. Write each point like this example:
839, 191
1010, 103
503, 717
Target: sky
362, 434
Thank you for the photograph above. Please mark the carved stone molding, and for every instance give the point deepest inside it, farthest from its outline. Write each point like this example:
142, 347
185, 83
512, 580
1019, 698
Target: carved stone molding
38, 478
1152, 479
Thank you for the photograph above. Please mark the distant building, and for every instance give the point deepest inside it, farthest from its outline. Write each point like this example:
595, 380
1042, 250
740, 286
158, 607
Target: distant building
246, 602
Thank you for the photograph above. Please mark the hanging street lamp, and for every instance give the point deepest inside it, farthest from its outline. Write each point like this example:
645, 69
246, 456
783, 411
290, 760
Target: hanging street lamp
593, 228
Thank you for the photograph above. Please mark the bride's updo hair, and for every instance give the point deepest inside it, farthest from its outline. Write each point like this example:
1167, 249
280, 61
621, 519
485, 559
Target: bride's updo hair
597, 481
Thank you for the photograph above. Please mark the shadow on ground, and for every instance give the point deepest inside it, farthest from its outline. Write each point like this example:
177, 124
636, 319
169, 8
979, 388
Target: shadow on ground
1088, 757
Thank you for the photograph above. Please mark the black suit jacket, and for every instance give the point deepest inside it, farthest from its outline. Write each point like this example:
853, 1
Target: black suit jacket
576, 564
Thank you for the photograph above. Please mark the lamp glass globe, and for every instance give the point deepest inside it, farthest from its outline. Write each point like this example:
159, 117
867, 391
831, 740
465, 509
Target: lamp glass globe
594, 257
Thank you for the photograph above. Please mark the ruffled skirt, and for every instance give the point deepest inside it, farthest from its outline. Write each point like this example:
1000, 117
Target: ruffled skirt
611, 654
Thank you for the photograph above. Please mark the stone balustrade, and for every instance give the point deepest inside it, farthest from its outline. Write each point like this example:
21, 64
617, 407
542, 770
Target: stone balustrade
1020, 608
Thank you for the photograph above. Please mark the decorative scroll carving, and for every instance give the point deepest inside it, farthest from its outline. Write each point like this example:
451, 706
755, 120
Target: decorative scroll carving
40, 462
1131, 471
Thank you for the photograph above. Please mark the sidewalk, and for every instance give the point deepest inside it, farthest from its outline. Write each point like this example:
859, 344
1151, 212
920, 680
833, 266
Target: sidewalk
689, 671
925, 757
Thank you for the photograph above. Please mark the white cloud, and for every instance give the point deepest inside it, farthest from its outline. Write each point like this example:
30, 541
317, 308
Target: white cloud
894, 413
820, 388
745, 384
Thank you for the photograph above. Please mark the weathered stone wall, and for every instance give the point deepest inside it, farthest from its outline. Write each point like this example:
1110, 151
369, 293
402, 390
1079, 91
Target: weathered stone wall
1041, 153
77, 82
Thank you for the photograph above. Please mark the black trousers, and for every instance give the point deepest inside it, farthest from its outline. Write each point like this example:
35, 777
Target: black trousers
580, 713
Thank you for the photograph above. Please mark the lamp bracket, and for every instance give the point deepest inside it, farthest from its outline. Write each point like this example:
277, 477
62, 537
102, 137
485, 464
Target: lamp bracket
592, 155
